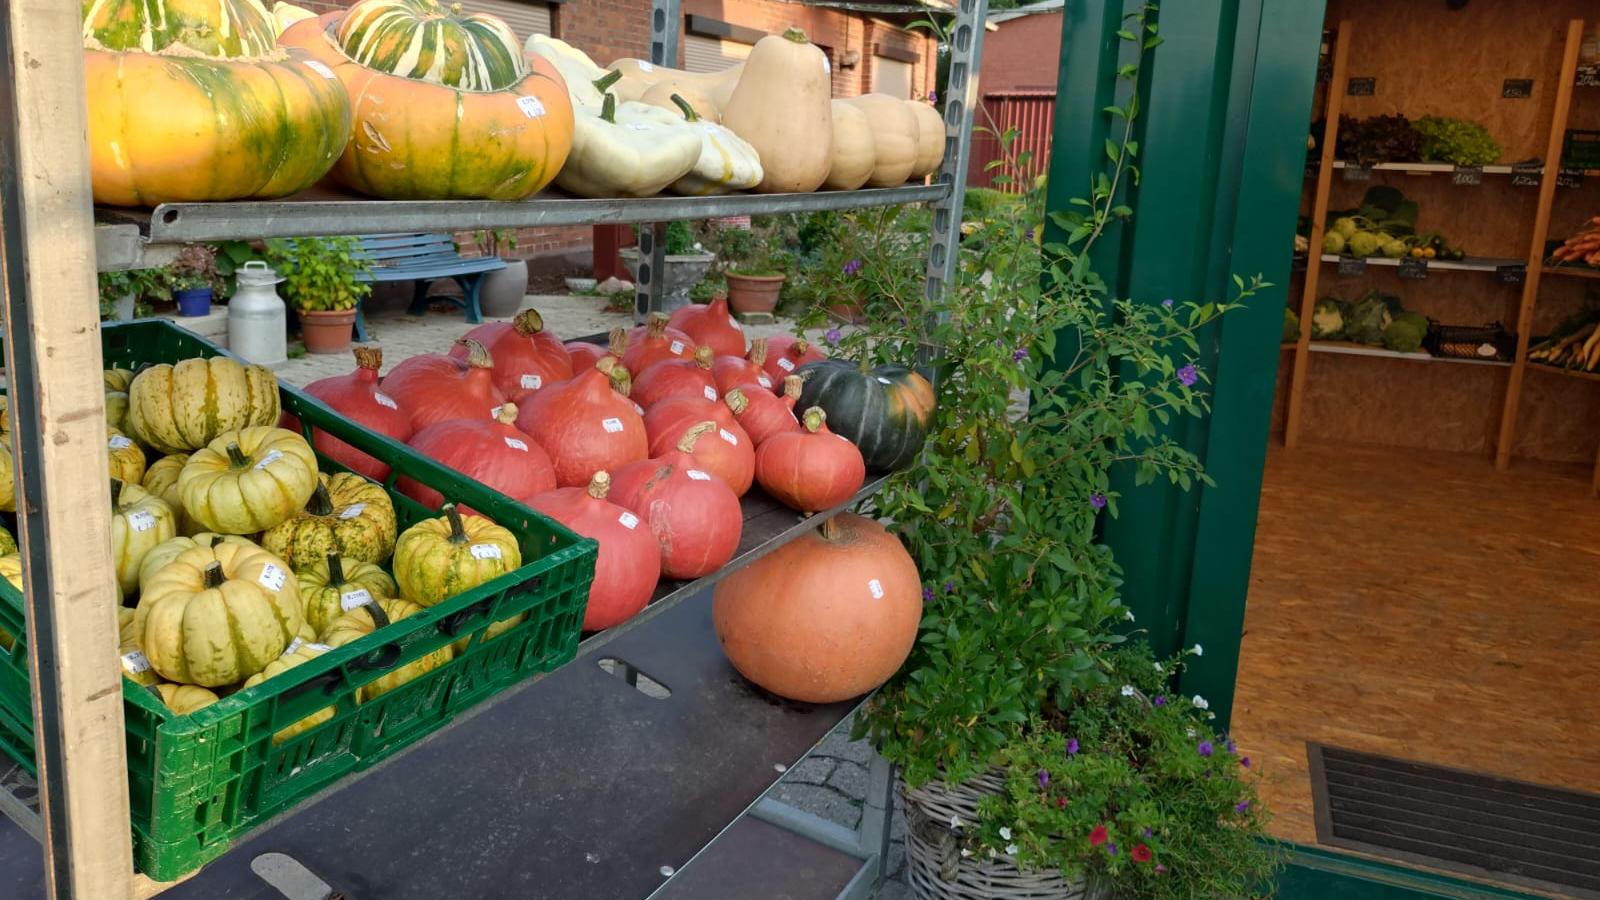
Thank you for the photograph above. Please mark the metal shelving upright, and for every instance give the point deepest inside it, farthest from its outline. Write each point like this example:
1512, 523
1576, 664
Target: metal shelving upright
52, 246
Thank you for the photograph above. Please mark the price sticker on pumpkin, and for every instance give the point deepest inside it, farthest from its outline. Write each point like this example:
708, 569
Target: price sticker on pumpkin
294, 645
876, 587
351, 599
640, 126
494, 412
729, 436
764, 381
785, 364
677, 348
320, 69
882, 380
638, 409
531, 382
118, 442
485, 551
320, 648
515, 444
646, 67
383, 399
611, 425
141, 521
135, 663
710, 392
353, 510
530, 106
271, 457
272, 578
697, 475
628, 520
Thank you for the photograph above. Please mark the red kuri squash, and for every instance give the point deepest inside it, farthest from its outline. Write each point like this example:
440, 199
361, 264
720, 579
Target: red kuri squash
732, 371
828, 616
436, 388
584, 354
711, 326
676, 377
812, 469
764, 414
587, 424
629, 562
493, 451
728, 454
694, 515
785, 353
526, 356
653, 342
356, 396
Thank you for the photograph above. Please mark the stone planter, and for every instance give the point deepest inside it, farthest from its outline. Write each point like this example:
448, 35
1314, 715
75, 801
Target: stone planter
503, 289
753, 293
683, 272
327, 330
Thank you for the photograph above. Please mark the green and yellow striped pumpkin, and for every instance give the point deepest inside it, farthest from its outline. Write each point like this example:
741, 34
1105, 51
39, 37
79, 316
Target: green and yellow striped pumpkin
421, 40
304, 653
183, 407
364, 620
436, 559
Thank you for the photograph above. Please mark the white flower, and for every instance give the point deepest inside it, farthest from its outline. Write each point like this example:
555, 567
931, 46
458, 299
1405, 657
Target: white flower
1011, 849
1128, 614
1189, 731
1127, 690
991, 852
1005, 833
1159, 669
955, 821
1200, 702
965, 853
1198, 650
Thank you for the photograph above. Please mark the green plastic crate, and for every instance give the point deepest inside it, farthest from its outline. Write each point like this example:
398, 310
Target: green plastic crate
198, 783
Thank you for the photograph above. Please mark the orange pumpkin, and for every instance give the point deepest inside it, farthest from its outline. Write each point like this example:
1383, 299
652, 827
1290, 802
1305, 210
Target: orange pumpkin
828, 616
415, 139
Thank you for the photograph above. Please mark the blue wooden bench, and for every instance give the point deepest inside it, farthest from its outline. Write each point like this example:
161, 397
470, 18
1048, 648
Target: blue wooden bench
424, 259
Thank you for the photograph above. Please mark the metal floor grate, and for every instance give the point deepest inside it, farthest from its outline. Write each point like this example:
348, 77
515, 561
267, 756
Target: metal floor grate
1508, 831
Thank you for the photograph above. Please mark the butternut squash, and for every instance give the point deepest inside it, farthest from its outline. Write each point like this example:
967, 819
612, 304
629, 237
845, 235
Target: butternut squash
660, 94
894, 138
930, 138
639, 76
782, 107
853, 156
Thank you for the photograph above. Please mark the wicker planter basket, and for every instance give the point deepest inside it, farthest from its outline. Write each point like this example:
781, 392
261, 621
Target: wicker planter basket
938, 871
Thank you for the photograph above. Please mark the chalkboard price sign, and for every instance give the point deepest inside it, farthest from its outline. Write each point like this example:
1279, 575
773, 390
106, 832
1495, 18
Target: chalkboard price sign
1569, 178
1517, 89
1352, 265
1589, 76
1526, 174
1362, 87
1467, 175
1414, 268
1515, 273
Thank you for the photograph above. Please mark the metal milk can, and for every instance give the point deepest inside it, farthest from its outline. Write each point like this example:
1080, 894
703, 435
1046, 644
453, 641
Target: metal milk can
257, 326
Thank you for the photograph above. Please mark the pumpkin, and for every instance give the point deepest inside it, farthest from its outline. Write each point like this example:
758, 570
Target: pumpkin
826, 617
781, 106
930, 139
8, 544
763, 414
894, 138
639, 76
444, 105
356, 397
526, 356
139, 522
711, 326
495, 453
346, 514
730, 454
116, 409
171, 548
693, 515
885, 411
786, 354
135, 667
628, 565
853, 153
183, 407
436, 559
661, 94
812, 469
217, 615
193, 101
673, 377
364, 620
249, 480
124, 457
11, 570
654, 342
436, 388
587, 424
305, 652
733, 371
161, 480
117, 379
184, 699
585, 356
8, 481
334, 586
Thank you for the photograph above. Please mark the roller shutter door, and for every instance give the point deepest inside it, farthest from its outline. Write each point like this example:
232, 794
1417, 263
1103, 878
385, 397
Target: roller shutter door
710, 54
524, 18
892, 77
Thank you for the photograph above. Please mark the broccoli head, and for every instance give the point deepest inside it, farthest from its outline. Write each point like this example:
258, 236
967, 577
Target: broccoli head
1367, 320
1403, 335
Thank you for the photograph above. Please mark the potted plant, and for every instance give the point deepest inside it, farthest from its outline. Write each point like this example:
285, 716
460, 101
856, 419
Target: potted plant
503, 289
128, 294
687, 263
322, 282
195, 280
754, 263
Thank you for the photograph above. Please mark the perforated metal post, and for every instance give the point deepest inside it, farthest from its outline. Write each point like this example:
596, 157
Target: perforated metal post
664, 19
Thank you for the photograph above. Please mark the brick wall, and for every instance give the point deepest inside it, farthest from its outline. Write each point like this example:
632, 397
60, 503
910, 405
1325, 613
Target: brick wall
1024, 55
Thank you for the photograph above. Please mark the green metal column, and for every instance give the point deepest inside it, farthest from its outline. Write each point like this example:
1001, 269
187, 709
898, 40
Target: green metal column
1226, 104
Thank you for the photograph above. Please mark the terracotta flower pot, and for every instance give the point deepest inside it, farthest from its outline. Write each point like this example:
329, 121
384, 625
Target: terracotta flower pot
327, 330
753, 293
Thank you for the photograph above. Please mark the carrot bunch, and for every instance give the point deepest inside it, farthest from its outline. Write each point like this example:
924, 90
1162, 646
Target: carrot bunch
1582, 247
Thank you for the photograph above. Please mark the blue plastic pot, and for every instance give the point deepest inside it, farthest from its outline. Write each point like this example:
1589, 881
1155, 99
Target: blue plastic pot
193, 301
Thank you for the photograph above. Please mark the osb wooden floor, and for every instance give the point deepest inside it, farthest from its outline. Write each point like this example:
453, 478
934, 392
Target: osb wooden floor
1421, 606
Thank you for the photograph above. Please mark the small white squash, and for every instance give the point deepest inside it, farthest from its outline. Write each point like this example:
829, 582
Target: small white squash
930, 138
853, 154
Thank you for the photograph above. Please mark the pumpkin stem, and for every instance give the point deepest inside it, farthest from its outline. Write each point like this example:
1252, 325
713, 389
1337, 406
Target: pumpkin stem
608, 110
458, 534
508, 413
621, 381
758, 351
619, 342
600, 485
380, 616
321, 504
236, 457
792, 385
690, 437
607, 363
369, 358
477, 354
604, 82
657, 324
703, 355
814, 419
801, 345
689, 115
528, 322
212, 576
796, 35
830, 529
335, 570
736, 401
116, 493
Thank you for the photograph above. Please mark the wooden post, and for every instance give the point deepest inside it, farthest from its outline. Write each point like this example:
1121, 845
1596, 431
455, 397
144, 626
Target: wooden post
59, 448
1541, 232
1319, 215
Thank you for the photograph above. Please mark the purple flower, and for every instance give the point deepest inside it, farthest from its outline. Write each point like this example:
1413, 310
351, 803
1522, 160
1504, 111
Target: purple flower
1072, 746
949, 587
1148, 833
927, 594
1188, 376
1161, 700
1111, 849
1232, 747
1245, 762
1030, 234
933, 96
1097, 500
1044, 778
852, 267
833, 336
1019, 354
1205, 748
1167, 303
1160, 869
1241, 806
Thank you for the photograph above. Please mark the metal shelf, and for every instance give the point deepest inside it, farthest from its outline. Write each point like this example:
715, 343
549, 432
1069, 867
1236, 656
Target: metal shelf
1350, 349
1470, 264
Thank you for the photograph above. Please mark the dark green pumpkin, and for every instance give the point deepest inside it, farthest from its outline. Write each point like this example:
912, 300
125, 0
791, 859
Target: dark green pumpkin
885, 411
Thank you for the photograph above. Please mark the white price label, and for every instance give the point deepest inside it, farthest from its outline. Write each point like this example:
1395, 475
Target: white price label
351, 599
135, 662
646, 67
383, 399
485, 551
494, 412
628, 520
141, 521
531, 382
876, 587
271, 457
294, 645
353, 510
320, 648
784, 364
763, 380
882, 380
530, 106
638, 409
710, 392
729, 436
640, 126
515, 444
697, 475
677, 348
118, 442
319, 68
612, 425
272, 578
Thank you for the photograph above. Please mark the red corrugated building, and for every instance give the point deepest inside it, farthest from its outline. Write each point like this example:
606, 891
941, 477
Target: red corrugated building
1021, 56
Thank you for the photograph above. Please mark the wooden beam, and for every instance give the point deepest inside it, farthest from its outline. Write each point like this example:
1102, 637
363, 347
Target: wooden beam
1541, 232
52, 346
1319, 215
